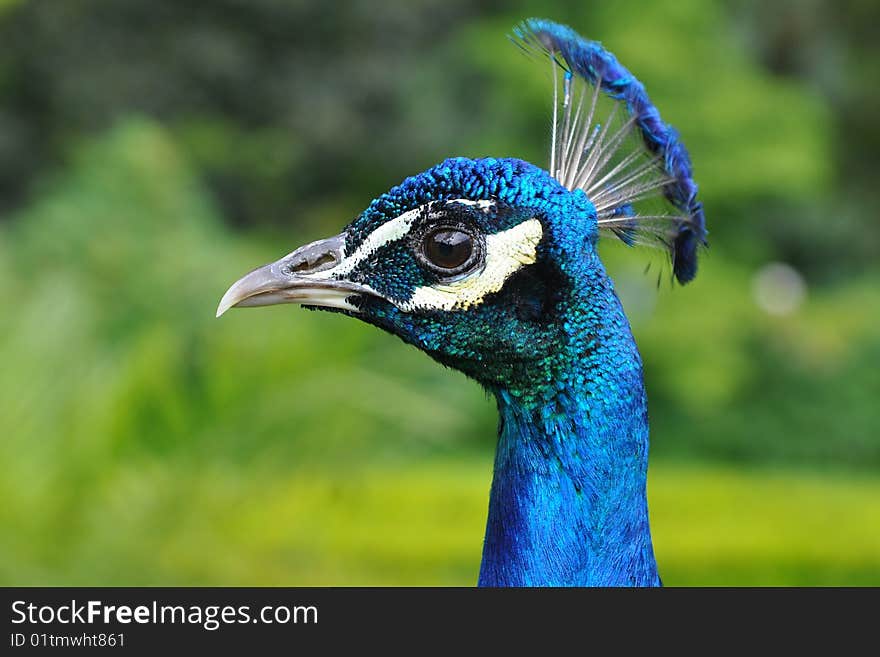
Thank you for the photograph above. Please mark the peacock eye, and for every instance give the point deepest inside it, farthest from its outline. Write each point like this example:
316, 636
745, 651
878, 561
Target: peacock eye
449, 250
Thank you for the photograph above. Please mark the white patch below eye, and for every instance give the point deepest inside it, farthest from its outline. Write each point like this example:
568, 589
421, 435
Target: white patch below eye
506, 253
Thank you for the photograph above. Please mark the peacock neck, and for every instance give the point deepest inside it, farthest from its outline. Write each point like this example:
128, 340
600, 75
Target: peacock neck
568, 502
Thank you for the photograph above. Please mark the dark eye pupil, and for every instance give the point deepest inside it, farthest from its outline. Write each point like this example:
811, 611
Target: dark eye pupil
447, 248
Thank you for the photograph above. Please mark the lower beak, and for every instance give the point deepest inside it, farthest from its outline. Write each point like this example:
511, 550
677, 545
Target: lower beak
303, 277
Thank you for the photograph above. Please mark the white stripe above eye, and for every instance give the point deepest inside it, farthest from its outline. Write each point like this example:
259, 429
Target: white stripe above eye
506, 253
390, 231
483, 204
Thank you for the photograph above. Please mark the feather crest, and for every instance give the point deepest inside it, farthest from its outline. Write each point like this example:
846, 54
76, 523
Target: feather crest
608, 140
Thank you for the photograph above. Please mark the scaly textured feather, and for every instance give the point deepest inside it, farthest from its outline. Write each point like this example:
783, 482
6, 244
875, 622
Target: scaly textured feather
631, 164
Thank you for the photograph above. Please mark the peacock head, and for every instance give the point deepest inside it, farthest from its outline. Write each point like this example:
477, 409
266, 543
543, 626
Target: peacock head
471, 261
490, 265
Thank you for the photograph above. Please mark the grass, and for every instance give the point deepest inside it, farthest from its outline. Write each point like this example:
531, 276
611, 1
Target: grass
412, 524
722, 526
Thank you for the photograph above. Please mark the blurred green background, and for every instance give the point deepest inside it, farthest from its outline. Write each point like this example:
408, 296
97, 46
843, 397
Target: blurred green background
152, 151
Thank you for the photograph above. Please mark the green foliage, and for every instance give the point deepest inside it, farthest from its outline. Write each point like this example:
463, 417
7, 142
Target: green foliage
727, 380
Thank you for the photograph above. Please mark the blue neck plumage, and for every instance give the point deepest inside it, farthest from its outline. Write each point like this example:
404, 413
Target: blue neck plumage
568, 504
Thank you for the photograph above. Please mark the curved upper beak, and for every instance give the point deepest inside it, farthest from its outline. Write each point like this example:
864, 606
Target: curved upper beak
304, 277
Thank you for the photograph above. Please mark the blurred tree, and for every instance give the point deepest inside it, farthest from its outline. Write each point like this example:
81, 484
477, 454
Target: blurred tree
833, 47
255, 88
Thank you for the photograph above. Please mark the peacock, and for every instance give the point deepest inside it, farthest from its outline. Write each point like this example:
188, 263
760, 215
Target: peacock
490, 266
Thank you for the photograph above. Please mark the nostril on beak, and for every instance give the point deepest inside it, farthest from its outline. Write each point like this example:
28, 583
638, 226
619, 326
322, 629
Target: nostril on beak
319, 263
315, 257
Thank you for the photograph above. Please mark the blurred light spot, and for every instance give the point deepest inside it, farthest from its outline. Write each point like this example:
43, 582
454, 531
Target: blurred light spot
779, 289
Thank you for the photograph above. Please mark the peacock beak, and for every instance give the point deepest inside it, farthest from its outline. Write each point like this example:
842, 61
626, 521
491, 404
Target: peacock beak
303, 277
